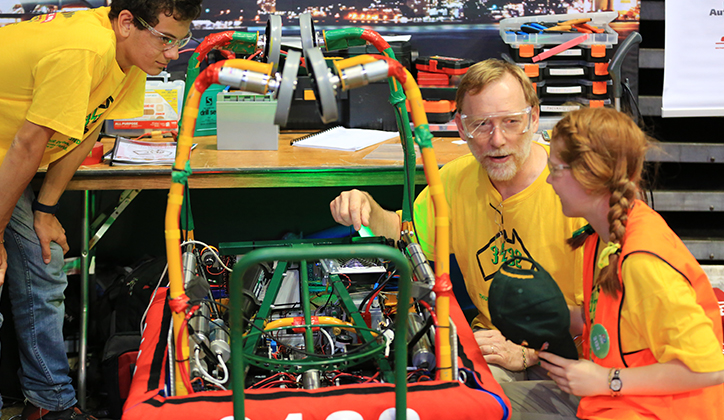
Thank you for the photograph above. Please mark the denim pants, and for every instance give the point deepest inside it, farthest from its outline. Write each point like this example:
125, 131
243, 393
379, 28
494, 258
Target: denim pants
36, 296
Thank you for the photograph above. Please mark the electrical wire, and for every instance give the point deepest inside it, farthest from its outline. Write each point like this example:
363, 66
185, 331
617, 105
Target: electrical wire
207, 246
179, 355
205, 374
251, 57
174, 135
379, 287
262, 383
329, 338
153, 297
430, 310
371, 300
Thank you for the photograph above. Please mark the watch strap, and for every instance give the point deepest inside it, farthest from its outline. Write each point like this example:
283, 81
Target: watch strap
36, 206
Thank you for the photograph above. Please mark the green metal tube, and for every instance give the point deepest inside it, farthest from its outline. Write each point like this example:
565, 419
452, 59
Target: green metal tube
315, 253
397, 99
304, 282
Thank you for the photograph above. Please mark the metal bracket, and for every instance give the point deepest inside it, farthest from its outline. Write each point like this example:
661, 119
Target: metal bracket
105, 221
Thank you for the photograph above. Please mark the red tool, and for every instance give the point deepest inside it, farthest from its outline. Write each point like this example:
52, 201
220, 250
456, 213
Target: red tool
560, 48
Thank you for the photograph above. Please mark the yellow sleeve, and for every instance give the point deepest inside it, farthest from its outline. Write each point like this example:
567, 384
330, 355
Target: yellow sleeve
131, 99
660, 313
62, 87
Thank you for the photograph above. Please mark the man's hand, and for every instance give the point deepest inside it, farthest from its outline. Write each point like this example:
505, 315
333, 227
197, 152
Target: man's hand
352, 208
499, 351
578, 377
49, 229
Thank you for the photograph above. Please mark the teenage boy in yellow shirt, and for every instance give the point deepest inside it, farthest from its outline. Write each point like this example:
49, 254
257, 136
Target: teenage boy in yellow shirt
68, 73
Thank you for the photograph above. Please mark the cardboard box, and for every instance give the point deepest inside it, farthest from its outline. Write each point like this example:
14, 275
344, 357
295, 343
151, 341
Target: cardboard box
161, 110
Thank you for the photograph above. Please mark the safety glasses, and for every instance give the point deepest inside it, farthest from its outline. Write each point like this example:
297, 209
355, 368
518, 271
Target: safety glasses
509, 123
166, 42
557, 169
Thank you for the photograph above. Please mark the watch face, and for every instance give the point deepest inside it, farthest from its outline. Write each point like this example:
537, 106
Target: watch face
615, 384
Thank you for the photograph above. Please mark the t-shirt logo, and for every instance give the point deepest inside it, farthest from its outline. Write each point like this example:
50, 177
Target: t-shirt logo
501, 249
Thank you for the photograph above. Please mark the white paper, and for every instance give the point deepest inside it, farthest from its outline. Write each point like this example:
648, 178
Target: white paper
345, 139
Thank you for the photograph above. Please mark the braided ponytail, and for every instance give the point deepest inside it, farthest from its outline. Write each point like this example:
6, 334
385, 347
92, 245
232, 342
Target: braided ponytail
606, 152
622, 198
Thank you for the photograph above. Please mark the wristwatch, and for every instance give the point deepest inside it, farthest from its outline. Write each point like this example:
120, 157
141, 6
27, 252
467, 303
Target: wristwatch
614, 382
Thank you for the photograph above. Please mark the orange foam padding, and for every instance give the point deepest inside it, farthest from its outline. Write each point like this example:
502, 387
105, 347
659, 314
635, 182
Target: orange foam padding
425, 78
598, 50
532, 70
599, 88
601, 69
526, 50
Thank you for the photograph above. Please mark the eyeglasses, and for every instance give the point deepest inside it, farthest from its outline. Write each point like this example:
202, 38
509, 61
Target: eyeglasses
509, 123
555, 169
167, 42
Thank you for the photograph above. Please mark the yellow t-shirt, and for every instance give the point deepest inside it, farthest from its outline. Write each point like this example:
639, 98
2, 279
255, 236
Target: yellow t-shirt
65, 77
660, 313
486, 231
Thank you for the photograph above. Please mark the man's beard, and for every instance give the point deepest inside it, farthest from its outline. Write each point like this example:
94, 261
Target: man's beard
505, 171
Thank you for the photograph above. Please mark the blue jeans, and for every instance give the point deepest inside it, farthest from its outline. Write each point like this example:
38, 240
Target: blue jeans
36, 296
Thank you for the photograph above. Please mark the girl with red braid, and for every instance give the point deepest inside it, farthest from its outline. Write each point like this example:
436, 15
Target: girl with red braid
651, 324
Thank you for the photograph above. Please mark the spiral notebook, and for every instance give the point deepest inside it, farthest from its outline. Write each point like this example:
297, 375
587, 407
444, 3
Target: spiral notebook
344, 139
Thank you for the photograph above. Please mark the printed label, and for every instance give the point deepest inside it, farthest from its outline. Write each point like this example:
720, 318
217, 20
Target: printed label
558, 108
566, 72
565, 89
572, 52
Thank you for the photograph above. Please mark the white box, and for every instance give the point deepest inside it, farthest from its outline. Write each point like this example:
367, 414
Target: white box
245, 121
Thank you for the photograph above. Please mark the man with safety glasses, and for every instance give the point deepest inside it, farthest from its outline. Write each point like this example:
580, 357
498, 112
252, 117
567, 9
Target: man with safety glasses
500, 204
65, 74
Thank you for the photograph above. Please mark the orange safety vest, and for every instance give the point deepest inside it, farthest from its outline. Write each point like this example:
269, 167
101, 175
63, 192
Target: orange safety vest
646, 232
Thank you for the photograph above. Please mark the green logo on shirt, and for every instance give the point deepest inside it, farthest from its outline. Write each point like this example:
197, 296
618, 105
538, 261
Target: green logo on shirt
501, 249
97, 113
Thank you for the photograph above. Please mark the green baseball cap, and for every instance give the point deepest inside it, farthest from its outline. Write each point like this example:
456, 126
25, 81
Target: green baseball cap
527, 305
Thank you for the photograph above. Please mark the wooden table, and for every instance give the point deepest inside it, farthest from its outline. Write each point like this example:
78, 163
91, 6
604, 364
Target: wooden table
287, 167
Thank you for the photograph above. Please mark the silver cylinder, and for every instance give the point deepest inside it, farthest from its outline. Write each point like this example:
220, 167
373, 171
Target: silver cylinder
310, 379
244, 79
364, 74
189, 267
219, 340
197, 369
200, 323
421, 268
423, 356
